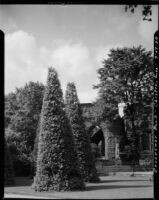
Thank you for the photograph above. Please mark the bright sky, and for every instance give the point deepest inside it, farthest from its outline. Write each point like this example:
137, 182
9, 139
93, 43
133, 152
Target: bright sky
72, 38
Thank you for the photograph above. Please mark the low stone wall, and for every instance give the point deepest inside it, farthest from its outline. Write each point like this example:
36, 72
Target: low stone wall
113, 169
128, 169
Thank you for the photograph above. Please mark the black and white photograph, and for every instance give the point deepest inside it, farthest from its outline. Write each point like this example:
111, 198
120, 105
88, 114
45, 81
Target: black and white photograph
79, 100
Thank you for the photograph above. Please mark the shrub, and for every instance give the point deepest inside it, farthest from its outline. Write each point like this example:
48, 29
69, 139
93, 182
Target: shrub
8, 168
20, 160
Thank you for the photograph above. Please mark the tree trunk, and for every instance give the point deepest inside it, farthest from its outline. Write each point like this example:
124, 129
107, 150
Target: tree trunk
135, 141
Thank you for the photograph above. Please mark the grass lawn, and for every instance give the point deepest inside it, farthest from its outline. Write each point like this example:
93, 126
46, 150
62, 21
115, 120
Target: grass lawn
110, 187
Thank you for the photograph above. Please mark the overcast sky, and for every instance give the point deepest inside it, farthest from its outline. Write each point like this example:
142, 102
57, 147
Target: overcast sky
72, 38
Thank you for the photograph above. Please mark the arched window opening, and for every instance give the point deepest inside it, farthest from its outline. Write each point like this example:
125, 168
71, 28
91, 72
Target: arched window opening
97, 140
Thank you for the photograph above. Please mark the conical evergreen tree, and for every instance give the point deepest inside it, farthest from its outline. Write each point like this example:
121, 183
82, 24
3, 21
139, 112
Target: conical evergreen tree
8, 168
57, 163
82, 141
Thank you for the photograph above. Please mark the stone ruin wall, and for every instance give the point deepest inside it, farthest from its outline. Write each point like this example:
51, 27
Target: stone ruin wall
111, 141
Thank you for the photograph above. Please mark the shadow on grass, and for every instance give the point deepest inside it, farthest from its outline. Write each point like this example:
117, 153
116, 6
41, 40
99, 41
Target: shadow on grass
22, 181
105, 187
111, 181
26, 181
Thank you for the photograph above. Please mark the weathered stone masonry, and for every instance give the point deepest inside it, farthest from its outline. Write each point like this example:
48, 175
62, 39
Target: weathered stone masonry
109, 138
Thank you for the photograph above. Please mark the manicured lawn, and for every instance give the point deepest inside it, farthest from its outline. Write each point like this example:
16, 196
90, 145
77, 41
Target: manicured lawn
110, 187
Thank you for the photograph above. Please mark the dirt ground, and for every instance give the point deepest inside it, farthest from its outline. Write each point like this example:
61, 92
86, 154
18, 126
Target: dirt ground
110, 187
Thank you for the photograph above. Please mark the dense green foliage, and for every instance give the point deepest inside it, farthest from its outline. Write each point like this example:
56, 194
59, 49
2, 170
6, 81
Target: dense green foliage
127, 76
57, 162
8, 168
35, 151
82, 141
22, 111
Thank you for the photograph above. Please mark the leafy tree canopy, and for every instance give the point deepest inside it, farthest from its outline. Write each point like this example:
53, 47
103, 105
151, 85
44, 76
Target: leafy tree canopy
146, 11
126, 76
22, 111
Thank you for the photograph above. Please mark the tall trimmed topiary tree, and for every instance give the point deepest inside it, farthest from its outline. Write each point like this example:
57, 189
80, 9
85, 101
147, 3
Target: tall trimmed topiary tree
82, 141
57, 162
8, 168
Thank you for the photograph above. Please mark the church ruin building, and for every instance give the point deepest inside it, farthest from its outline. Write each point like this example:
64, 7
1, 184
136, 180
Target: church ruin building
107, 140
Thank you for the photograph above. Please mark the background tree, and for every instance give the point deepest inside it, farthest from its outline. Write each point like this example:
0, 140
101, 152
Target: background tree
127, 76
11, 106
57, 163
22, 111
35, 150
27, 116
82, 141
8, 168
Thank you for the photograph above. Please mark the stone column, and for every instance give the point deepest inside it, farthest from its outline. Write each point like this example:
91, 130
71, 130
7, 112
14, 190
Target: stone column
150, 142
121, 109
106, 147
117, 151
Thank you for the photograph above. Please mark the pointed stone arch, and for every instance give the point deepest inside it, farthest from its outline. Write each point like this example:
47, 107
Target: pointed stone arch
97, 137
